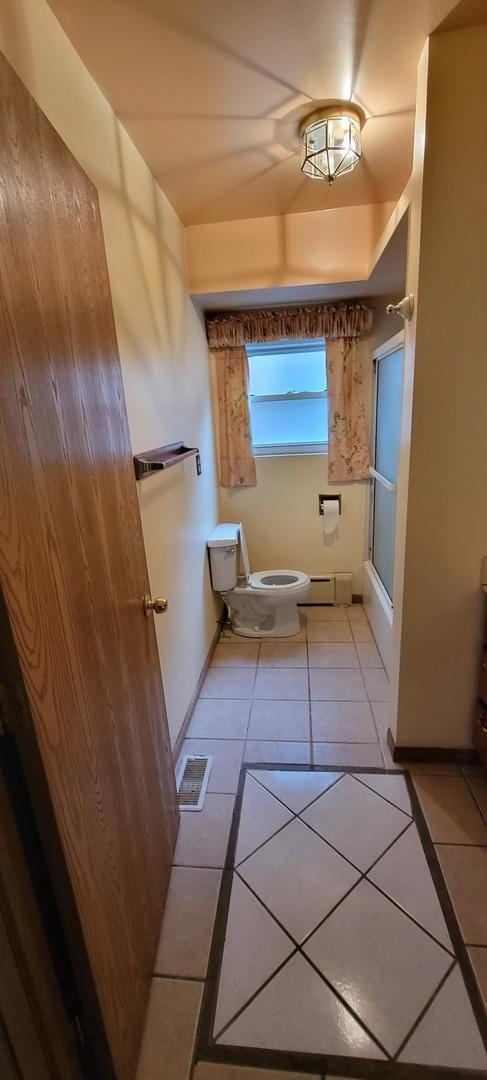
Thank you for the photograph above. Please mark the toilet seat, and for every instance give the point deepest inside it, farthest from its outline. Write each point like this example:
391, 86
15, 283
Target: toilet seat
268, 581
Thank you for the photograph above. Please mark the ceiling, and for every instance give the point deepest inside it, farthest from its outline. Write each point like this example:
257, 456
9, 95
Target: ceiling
212, 92
388, 278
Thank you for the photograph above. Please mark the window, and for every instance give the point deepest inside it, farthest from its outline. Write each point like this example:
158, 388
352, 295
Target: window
288, 397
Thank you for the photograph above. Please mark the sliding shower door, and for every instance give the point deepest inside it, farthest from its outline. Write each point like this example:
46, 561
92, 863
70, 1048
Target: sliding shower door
388, 377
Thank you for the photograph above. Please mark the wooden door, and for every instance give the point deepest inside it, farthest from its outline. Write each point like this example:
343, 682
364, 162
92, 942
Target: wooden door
40, 1005
8, 1067
33, 1015
73, 569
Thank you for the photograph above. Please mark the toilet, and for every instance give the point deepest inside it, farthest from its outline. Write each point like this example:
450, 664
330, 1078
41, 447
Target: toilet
266, 603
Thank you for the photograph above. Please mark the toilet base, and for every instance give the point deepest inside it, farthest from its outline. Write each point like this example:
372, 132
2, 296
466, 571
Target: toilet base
243, 631
282, 621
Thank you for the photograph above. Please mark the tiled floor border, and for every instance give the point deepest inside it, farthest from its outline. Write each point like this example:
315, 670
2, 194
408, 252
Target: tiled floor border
207, 1050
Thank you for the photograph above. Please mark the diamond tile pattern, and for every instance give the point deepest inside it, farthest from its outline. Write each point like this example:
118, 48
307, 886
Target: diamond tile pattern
296, 789
448, 1034
262, 815
392, 788
384, 966
244, 970
403, 875
336, 943
356, 821
298, 877
297, 1011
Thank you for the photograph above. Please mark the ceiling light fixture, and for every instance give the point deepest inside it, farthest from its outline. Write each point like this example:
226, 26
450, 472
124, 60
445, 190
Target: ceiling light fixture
331, 142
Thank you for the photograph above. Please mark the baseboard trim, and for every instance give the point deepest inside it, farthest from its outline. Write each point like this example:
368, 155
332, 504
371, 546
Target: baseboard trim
190, 710
442, 755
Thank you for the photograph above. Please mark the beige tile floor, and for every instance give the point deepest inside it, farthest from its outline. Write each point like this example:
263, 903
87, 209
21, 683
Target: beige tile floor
307, 698
321, 699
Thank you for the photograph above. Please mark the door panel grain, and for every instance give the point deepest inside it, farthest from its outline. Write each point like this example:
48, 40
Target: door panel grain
72, 563
31, 1007
8, 1067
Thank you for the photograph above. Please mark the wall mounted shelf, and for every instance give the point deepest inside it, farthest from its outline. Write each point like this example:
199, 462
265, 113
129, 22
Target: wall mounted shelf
164, 457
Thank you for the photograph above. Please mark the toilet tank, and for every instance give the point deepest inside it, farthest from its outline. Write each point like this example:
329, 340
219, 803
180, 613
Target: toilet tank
223, 547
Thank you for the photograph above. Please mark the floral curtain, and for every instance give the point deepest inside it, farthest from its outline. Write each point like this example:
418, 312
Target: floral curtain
348, 454
237, 465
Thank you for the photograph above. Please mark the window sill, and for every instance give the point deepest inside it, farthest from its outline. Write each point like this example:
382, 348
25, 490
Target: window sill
298, 450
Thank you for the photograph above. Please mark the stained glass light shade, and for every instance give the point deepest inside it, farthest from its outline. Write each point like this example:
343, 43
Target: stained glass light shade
331, 144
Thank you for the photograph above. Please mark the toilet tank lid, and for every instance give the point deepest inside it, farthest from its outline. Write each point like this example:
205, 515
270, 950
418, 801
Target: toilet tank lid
223, 535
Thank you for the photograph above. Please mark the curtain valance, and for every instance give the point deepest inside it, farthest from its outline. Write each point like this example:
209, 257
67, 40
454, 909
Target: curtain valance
329, 321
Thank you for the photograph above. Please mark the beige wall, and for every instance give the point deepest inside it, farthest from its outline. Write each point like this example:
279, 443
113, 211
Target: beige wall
282, 523
162, 343
442, 516
295, 249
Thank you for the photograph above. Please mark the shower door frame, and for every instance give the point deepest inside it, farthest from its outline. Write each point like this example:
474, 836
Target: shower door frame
391, 345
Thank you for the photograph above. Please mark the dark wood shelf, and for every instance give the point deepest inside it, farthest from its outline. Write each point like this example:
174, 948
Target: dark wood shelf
164, 457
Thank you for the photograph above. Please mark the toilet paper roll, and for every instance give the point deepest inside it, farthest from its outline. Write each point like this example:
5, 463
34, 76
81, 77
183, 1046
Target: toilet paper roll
331, 509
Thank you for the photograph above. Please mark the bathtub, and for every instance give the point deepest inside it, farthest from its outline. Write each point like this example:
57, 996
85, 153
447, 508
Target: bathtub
378, 608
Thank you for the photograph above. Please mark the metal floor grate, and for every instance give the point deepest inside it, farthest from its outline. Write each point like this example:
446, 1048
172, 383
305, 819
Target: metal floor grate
192, 781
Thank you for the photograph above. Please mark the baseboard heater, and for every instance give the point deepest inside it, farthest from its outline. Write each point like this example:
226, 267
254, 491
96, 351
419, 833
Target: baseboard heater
330, 589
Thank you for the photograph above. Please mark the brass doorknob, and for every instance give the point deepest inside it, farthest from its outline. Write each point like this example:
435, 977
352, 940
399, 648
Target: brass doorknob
158, 605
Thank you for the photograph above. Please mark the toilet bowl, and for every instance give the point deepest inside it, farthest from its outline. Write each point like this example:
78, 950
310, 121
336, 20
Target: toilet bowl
265, 603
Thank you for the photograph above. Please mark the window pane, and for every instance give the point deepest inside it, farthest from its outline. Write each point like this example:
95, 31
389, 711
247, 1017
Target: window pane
295, 370
289, 422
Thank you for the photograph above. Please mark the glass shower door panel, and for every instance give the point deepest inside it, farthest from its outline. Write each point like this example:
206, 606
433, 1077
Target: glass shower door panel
384, 534
389, 373
388, 414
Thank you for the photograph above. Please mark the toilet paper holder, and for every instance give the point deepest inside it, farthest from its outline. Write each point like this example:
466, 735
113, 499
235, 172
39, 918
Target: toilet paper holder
323, 499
